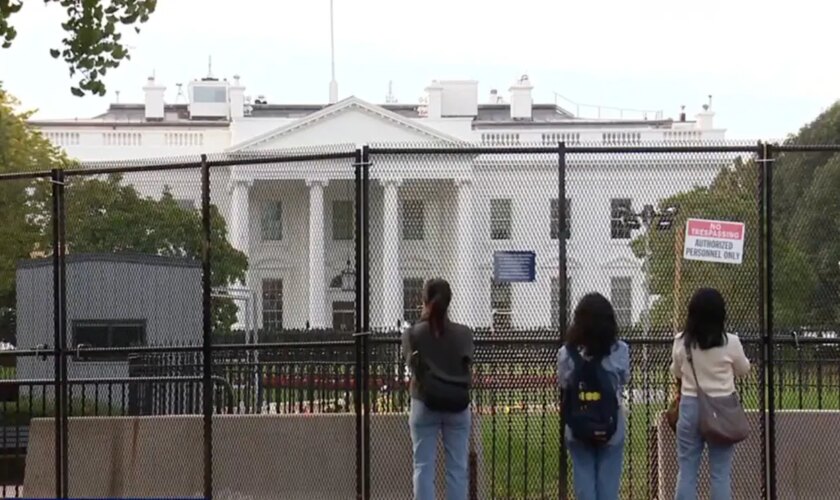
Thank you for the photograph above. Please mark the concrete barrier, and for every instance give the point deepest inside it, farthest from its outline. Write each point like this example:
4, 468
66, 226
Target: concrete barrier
296, 457
807, 447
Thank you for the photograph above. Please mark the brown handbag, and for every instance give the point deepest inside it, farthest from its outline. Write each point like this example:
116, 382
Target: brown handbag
722, 419
672, 413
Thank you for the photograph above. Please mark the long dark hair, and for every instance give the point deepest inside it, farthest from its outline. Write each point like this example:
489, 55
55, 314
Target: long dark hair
705, 323
594, 327
437, 295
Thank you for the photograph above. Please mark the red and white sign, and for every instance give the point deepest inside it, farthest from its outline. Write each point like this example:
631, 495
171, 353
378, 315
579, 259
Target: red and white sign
714, 241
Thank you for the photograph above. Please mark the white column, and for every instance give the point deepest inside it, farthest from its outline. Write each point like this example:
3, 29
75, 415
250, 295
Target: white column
464, 292
239, 215
317, 280
239, 221
391, 291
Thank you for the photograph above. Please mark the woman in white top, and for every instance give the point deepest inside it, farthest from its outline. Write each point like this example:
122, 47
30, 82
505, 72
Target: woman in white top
718, 358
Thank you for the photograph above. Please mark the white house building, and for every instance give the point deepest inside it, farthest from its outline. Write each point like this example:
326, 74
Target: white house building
442, 215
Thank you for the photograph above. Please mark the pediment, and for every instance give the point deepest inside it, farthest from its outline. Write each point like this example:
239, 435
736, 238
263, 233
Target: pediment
351, 121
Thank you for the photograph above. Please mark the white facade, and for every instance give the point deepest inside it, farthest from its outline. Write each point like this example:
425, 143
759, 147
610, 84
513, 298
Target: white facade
430, 216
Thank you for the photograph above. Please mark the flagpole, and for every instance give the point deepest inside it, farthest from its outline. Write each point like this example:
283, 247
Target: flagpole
333, 83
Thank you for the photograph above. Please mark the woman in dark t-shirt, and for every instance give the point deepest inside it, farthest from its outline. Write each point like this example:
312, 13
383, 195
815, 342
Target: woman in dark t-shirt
449, 347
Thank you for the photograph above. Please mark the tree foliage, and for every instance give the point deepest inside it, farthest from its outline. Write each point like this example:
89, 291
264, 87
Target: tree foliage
93, 41
806, 211
109, 215
805, 215
103, 214
22, 149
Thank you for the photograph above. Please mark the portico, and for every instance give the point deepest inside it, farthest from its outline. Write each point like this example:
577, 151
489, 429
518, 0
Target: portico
296, 223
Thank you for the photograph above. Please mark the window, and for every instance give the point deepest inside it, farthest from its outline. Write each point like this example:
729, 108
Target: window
500, 219
209, 94
412, 299
618, 229
555, 302
621, 296
105, 334
413, 220
272, 304
344, 316
501, 304
555, 218
342, 220
272, 221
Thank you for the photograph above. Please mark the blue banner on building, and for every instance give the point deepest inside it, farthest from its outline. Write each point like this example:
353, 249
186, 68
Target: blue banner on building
514, 266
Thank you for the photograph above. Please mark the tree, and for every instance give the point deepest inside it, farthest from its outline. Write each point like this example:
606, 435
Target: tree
102, 215
93, 41
109, 215
22, 149
732, 196
806, 210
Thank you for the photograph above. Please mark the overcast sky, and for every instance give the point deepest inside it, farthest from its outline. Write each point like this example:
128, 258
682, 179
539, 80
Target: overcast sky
770, 66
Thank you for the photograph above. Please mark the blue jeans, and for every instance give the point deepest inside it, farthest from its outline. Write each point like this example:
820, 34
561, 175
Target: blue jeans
425, 426
690, 446
597, 471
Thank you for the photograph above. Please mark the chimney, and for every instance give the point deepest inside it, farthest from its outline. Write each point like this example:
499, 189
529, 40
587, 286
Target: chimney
705, 120
237, 99
435, 104
682, 113
154, 100
520, 99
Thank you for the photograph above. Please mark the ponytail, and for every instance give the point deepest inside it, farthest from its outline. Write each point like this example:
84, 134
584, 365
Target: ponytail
436, 298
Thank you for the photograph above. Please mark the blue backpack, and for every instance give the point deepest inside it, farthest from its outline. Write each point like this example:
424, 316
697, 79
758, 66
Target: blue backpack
590, 405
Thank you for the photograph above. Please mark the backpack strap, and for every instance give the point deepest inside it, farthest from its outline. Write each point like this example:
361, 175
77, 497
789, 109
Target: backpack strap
574, 355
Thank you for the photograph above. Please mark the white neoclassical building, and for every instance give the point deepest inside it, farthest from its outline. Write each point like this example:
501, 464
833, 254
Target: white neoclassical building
442, 215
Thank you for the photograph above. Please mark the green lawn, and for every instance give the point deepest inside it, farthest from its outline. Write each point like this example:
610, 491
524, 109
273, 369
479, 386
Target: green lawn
521, 452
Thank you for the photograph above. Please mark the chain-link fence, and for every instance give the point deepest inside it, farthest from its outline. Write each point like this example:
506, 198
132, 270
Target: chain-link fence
231, 325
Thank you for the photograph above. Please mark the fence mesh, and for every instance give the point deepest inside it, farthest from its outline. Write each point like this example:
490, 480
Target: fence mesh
288, 348
133, 281
805, 382
25, 306
498, 224
638, 234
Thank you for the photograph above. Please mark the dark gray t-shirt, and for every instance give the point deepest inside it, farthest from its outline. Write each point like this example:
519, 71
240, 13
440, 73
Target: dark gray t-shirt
448, 352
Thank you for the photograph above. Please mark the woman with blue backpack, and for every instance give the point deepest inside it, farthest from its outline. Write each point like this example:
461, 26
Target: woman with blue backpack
592, 369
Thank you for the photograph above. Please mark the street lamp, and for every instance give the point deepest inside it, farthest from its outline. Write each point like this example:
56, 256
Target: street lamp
649, 217
663, 221
348, 278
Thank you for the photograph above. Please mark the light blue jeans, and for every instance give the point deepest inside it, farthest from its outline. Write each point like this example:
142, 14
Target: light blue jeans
690, 446
425, 426
597, 471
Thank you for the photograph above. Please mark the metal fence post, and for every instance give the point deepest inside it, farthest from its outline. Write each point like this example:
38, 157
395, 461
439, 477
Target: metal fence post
207, 365
762, 308
59, 338
563, 300
365, 157
65, 386
359, 328
769, 372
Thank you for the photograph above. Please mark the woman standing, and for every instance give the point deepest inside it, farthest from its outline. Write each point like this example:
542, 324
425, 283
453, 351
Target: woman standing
439, 354
592, 369
718, 358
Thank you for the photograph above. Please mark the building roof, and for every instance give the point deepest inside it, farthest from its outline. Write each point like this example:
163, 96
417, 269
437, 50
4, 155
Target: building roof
178, 114
120, 258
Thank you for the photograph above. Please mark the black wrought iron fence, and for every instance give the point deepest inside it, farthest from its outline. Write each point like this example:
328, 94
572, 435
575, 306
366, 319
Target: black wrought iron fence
271, 284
